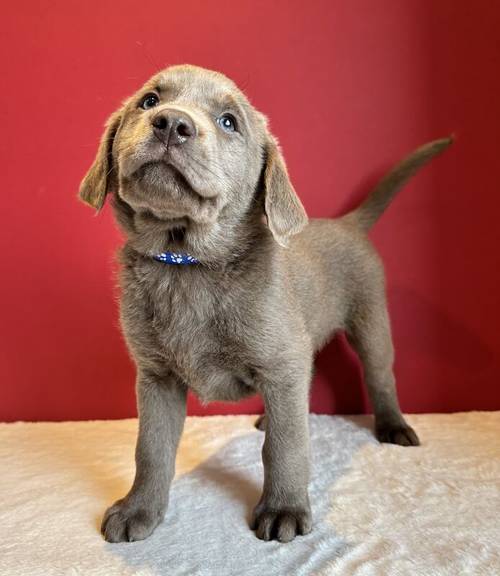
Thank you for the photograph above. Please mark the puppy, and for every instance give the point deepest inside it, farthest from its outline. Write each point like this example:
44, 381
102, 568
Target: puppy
228, 290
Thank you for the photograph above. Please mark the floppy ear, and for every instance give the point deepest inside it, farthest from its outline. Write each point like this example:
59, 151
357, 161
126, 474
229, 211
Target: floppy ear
102, 177
285, 214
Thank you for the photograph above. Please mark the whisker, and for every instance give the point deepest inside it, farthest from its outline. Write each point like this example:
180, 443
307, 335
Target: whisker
110, 170
202, 165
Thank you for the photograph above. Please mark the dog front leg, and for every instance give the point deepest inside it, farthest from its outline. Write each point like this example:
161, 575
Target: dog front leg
161, 403
283, 510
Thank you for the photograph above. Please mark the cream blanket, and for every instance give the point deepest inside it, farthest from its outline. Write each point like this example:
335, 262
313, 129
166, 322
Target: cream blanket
378, 509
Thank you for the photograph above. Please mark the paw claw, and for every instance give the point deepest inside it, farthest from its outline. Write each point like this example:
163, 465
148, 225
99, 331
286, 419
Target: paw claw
260, 423
287, 528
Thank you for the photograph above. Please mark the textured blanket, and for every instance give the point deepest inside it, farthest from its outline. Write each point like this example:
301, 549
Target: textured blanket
378, 509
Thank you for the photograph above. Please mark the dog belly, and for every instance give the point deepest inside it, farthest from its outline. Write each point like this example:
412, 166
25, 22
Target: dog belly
223, 386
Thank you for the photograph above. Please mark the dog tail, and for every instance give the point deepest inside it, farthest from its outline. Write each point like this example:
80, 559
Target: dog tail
370, 210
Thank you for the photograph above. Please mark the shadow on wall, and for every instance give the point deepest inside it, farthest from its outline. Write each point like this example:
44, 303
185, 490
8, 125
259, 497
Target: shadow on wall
437, 345
456, 353
338, 382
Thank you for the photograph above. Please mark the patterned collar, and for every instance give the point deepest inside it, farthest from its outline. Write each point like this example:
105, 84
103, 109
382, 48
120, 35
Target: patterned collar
175, 258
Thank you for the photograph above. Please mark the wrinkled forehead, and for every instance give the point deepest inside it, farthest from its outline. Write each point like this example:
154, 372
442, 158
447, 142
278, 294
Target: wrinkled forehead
198, 86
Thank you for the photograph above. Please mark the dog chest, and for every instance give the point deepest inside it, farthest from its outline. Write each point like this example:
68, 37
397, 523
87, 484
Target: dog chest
200, 332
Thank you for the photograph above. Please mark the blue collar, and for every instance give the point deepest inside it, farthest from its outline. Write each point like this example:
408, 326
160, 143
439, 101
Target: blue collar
175, 258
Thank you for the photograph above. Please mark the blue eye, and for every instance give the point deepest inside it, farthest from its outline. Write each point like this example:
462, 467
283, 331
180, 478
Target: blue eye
149, 101
227, 122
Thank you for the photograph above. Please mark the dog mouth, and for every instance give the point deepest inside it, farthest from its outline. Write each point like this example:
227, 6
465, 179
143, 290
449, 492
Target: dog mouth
175, 172
163, 174
160, 191
163, 191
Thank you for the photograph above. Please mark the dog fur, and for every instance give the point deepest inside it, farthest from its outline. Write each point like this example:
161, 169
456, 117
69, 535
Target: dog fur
247, 319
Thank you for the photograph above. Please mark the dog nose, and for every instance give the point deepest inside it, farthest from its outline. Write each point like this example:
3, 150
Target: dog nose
173, 127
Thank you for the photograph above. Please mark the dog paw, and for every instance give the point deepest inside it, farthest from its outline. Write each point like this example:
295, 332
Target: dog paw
281, 524
400, 434
123, 522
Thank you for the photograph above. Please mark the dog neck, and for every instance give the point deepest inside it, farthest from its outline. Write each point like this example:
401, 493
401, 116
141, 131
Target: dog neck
214, 246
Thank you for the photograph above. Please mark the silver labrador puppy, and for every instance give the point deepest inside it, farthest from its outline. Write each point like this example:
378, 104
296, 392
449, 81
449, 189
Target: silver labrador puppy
228, 290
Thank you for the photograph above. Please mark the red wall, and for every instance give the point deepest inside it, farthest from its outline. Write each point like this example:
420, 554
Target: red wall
349, 86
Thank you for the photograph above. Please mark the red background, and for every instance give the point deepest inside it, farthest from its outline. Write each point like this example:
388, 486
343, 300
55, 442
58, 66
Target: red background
349, 87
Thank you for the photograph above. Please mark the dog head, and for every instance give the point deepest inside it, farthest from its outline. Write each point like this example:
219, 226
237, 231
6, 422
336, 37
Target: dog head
189, 152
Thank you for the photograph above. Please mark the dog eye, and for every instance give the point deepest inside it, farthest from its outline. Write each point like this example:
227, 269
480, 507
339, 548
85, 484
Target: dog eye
227, 122
149, 101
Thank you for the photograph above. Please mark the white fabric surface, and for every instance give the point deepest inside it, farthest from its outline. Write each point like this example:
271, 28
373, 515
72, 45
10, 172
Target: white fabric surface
378, 509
